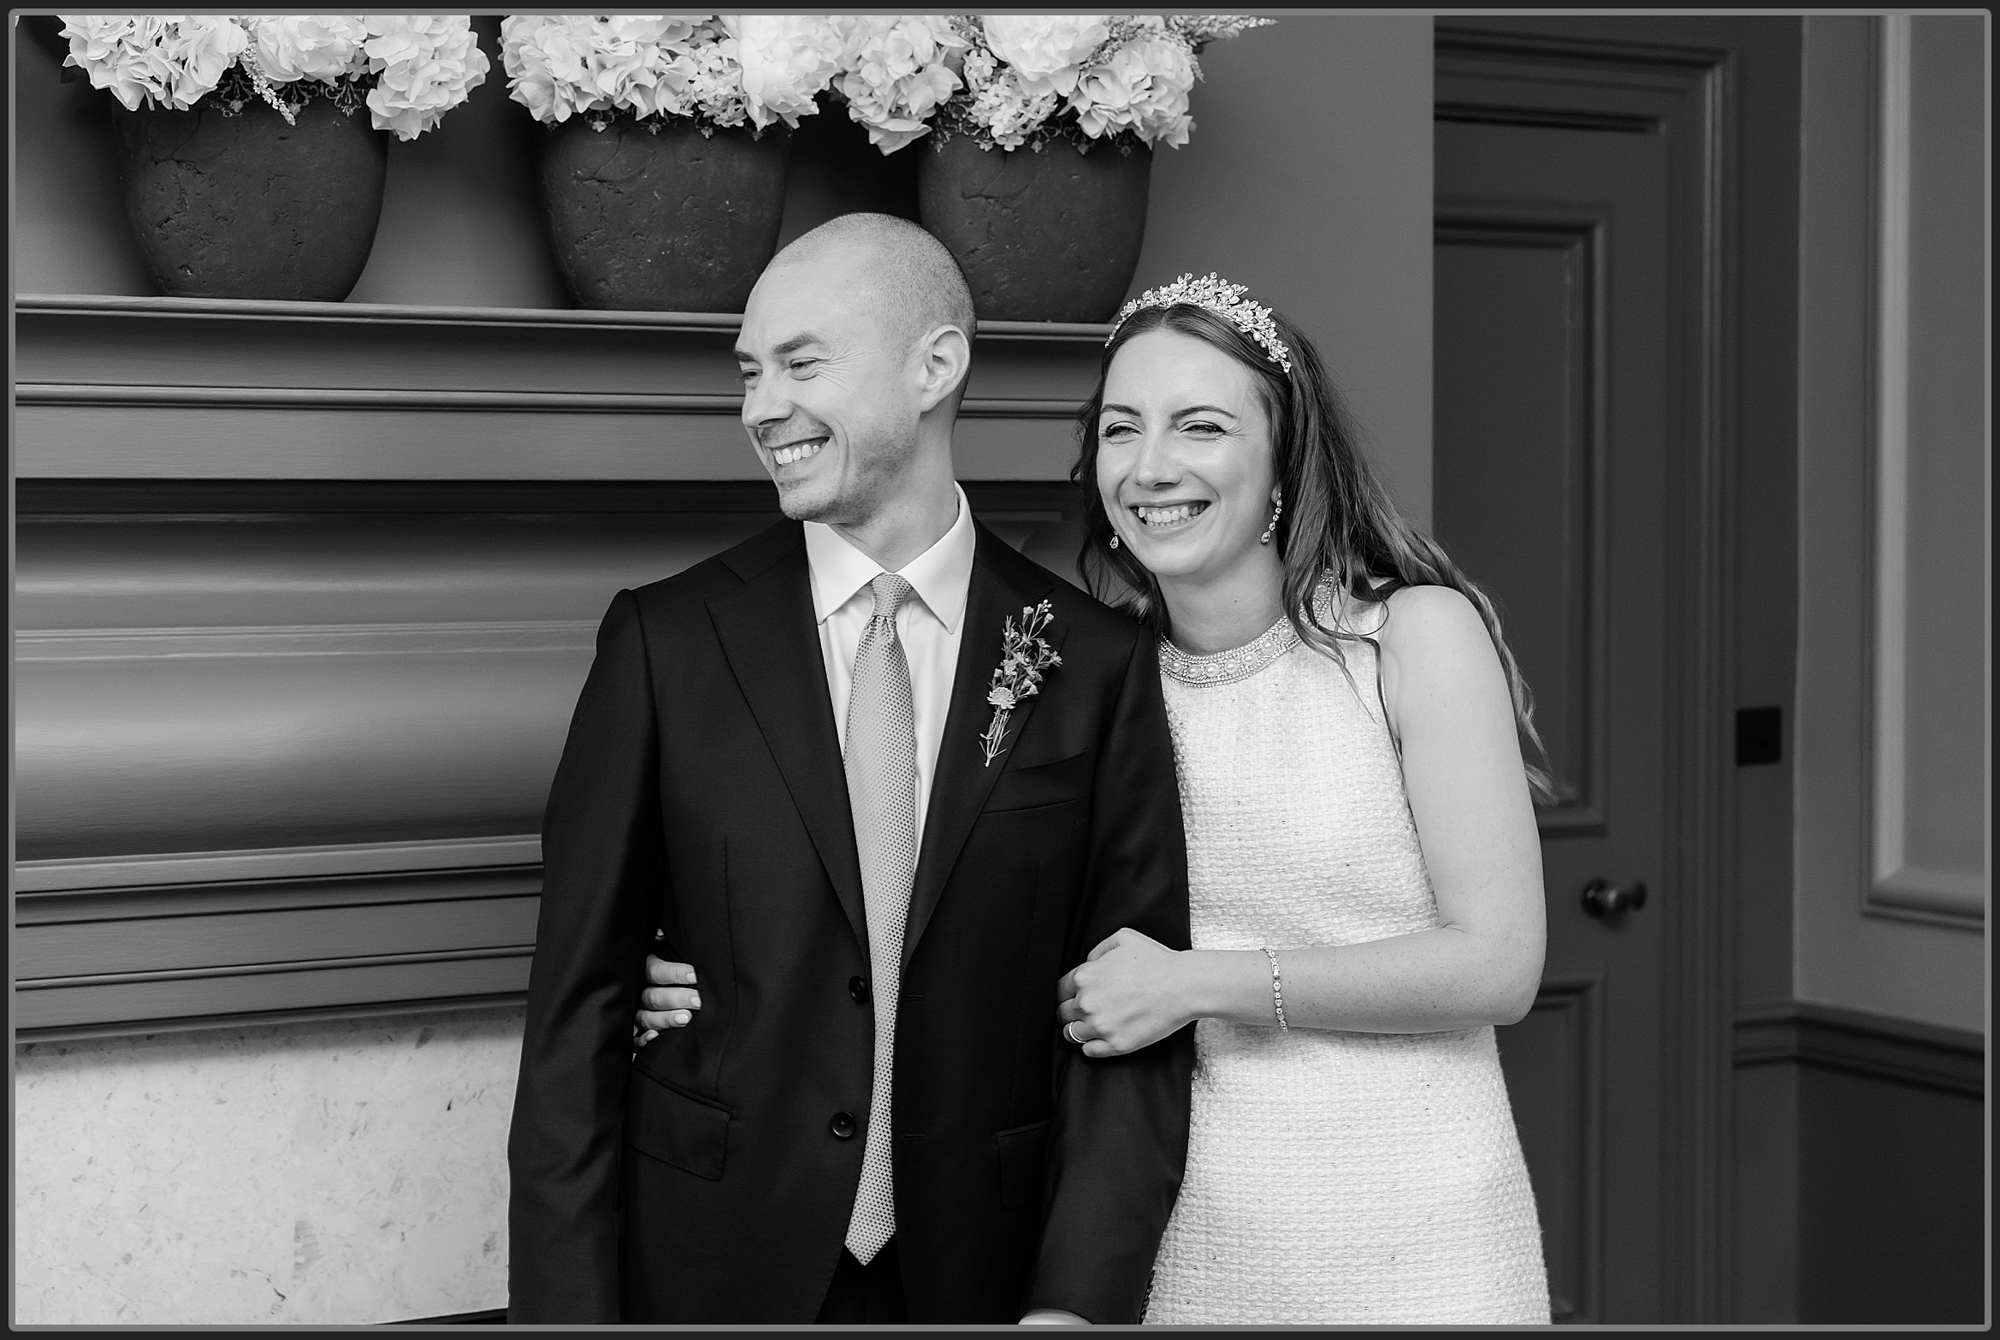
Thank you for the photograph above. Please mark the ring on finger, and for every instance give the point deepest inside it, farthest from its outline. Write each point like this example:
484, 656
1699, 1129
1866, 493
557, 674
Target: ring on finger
1069, 1031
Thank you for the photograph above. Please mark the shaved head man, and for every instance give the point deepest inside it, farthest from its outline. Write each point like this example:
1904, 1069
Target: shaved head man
915, 286
853, 1103
854, 351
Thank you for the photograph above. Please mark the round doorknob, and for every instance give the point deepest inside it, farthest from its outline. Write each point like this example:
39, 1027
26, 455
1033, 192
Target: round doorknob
1602, 898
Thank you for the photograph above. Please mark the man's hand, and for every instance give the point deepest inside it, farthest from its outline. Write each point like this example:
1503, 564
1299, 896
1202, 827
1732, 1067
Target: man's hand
1129, 994
669, 1000
1049, 1316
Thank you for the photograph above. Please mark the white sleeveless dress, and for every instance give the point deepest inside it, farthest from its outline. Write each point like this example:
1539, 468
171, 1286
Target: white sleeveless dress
1332, 1178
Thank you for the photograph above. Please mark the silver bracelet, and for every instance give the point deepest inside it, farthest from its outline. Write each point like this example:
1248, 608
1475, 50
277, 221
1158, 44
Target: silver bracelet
1277, 990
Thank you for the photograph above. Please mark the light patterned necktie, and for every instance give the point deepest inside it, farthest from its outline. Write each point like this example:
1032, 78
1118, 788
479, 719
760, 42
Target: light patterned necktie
882, 791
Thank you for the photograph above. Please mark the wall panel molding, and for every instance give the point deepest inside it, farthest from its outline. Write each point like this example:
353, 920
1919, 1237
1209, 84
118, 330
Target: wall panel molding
1901, 883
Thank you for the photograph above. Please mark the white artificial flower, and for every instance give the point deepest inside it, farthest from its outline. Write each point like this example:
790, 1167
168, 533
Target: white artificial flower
425, 64
202, 48
1046, 51
95, 39
1008, 112
1161, 113
648, 64
324, 47
626, 66
98, 43
895, 73
119, 53
530, 81
1142, 87
787, 61
979, 68
715, 88
167, 60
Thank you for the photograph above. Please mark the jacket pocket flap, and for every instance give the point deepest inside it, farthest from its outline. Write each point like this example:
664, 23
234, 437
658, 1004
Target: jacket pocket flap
1023, 1155
674, 1127
1043, 783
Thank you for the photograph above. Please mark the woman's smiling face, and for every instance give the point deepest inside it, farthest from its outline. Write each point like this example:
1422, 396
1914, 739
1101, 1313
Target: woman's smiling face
1184, 459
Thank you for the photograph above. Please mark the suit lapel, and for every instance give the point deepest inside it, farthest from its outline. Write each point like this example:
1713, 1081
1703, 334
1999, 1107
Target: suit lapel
962, 779
768, 633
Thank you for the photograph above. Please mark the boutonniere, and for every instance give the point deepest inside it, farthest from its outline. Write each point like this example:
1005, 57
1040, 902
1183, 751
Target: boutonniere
1024, 659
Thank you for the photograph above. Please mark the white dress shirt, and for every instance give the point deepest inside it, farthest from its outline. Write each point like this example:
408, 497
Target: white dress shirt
929, 627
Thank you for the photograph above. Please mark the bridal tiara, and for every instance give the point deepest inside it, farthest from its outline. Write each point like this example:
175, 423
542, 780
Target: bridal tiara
1217, 295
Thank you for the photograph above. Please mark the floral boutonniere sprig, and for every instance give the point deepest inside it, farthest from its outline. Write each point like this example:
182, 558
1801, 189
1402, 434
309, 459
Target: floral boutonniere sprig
1024, 659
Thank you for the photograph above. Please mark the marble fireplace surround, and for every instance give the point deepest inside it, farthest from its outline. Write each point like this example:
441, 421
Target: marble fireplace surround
304, 596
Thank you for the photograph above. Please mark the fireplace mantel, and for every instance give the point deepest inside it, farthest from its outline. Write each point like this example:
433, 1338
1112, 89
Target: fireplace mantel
188, 388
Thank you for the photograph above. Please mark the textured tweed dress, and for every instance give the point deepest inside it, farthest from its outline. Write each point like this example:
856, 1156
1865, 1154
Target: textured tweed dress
1332, 1177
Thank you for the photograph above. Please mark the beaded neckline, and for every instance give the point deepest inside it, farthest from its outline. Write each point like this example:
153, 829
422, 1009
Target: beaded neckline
1228, 667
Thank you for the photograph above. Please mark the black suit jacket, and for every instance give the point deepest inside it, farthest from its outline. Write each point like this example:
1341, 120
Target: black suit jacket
701, 792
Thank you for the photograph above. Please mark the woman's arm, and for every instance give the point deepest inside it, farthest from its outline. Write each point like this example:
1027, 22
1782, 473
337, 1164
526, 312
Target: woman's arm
1449, 707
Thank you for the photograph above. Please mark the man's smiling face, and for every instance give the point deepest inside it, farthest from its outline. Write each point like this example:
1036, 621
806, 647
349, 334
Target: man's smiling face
830, 391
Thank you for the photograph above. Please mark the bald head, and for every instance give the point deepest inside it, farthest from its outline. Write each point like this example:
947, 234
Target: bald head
854, 350
903, 277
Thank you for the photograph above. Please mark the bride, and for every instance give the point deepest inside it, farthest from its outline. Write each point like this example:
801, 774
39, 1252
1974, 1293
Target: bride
1364, 873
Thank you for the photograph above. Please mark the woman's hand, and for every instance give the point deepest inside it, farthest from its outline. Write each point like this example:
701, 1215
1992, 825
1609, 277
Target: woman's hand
1129, 994
669, 1000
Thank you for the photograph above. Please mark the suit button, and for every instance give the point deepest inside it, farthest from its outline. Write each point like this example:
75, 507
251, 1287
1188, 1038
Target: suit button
842, 1125
857, 987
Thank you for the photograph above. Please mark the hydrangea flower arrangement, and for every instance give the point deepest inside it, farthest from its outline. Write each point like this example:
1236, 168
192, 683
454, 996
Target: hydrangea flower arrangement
897, 72
716, 70
1122, 78
407, 69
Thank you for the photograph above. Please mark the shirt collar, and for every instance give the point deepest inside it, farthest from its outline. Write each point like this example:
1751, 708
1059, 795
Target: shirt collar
941, 575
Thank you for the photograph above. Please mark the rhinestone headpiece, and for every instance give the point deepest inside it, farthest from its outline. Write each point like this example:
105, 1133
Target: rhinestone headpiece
1223, 298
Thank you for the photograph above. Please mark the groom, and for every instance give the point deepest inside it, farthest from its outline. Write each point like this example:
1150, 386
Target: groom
781, 761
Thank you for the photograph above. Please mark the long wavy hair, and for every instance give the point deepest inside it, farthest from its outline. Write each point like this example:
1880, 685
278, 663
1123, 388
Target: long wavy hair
1337, 521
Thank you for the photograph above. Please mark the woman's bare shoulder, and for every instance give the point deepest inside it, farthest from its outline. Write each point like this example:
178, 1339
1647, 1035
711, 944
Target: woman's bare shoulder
1422, 621
1435, 650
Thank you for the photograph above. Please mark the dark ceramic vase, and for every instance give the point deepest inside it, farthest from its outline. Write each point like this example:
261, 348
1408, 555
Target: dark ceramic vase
1048, 236
246, 206
666, 221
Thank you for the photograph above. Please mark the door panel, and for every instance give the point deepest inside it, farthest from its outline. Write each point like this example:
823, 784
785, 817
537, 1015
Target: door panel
1517, 332
1554, 340
1553, 1059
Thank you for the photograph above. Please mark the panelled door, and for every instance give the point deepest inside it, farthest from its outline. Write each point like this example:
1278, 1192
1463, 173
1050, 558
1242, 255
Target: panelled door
1570, 229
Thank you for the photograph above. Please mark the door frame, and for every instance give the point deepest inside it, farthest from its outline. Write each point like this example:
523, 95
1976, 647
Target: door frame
1538, 72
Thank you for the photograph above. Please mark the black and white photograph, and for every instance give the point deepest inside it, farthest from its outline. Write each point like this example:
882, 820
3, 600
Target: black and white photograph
1323, 668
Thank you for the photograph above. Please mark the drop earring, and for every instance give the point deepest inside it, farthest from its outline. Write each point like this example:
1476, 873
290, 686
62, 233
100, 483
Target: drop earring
1114, 539
1277, 510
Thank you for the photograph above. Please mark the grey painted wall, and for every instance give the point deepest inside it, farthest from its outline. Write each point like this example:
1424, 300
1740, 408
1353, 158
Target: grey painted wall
1308, 177
1891, 1227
